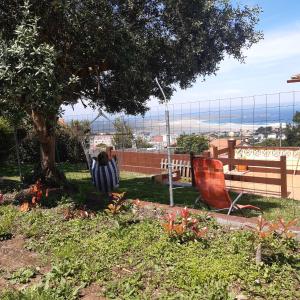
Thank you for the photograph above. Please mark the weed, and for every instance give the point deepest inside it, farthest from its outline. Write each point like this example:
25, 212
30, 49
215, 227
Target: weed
22, 275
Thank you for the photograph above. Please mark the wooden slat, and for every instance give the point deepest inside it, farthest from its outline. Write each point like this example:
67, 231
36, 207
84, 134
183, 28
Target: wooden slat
283, 177
223, 151
182, 166
264, 170
251, 162
254, 179
215, 152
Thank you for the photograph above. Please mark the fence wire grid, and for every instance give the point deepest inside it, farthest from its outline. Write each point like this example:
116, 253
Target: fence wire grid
259, 125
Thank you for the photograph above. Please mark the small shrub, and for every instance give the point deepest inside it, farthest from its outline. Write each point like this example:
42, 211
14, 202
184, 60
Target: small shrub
117, 205
36, 193
185, 228
265, 229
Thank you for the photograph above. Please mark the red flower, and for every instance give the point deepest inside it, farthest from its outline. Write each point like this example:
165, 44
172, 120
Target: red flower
201, 232
171, 218
185, 213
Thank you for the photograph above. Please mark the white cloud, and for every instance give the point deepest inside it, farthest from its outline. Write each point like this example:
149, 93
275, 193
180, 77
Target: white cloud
267, 67
276, 46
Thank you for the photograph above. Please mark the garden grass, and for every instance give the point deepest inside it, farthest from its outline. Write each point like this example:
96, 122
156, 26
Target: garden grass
142, 187
137, 260
131, 258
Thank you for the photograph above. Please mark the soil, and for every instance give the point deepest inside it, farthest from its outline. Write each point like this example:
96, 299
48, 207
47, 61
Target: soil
14, 256
92, 292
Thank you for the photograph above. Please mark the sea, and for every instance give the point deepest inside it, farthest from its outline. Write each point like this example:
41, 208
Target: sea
197, 120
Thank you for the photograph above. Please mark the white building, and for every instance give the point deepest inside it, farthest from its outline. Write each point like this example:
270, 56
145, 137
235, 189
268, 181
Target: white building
100, 138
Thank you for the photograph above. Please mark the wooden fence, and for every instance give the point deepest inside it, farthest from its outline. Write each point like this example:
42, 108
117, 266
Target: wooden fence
146, 162
156, 163
253, 165
182, 166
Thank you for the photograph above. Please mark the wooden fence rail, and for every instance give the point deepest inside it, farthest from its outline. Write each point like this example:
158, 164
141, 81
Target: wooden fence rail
254, 165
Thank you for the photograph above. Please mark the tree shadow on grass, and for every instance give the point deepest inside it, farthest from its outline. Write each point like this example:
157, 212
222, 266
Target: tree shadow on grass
9, 185
145, 189
12, 170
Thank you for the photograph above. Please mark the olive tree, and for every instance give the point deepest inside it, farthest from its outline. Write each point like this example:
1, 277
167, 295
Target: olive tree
107, 53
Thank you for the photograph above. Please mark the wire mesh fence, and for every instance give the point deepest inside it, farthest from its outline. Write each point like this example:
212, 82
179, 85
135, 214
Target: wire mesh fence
264, 127
213, 118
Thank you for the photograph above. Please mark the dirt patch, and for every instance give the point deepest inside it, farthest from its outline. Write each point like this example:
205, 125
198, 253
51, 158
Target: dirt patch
92, 292
14, 256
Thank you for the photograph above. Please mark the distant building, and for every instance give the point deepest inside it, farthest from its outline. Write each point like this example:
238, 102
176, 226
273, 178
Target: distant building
259, 137
222, 143
157, 139
160, 141
272, 136
101, 139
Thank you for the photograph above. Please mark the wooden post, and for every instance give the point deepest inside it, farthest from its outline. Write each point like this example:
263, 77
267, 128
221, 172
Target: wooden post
215, 152
192, 168
231, 154
283, 176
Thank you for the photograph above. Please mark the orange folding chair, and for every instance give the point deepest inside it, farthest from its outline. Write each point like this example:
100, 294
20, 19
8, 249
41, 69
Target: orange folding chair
210, 181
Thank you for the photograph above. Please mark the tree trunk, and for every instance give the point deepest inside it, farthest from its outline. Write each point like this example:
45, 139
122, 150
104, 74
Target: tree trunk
45, 129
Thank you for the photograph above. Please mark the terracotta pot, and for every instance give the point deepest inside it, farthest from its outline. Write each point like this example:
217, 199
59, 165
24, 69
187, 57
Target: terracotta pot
241, 168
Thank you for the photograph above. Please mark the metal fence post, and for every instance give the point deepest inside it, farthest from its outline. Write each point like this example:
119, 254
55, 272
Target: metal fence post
169, 158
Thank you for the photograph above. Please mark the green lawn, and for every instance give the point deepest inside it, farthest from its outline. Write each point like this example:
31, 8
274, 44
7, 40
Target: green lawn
130, 256
140, 186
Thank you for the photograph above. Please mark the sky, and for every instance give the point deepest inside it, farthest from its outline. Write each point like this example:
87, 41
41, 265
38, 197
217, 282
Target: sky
267, 66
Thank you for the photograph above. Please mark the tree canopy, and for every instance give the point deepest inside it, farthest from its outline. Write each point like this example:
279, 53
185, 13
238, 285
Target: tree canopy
108, 53
292, 131
123, 137
187, 143
116, 48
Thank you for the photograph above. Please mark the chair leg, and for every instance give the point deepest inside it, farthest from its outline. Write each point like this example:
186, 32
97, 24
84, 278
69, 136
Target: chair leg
230, 209
234, 202
240, 211
197, 200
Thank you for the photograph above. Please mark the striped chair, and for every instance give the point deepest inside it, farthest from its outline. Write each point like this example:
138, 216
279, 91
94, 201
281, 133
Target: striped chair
105, 177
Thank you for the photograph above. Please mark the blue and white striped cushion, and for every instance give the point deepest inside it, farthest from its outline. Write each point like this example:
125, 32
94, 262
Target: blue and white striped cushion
105, 178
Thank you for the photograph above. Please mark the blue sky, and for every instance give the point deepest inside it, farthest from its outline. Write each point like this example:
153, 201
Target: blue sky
267, 66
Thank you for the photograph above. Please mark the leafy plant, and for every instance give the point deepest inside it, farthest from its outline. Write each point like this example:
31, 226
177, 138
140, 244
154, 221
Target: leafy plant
192, 143
36, 192
265, 229
262, 230
185, 228
22, 275
284, 228
117, 205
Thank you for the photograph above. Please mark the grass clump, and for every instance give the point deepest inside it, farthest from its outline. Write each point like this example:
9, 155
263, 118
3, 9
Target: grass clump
139, 260
132, 257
